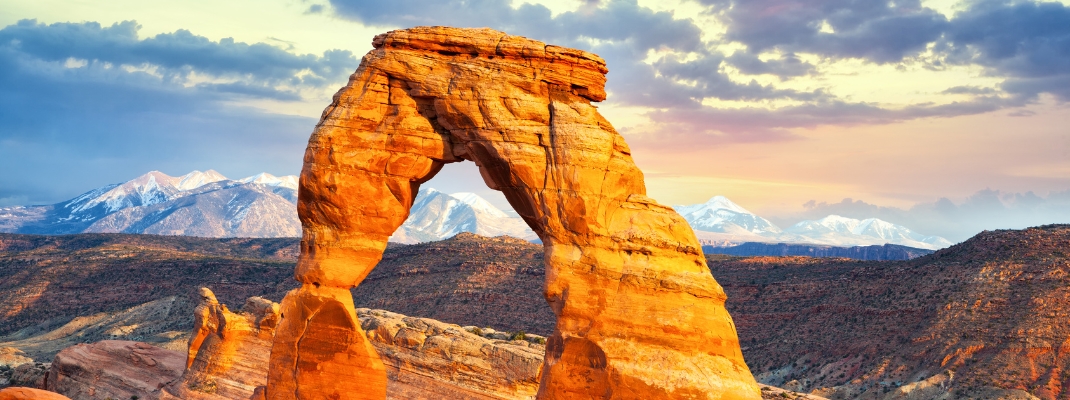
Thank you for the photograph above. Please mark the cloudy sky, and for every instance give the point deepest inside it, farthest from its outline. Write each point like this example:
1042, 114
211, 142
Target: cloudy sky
946, 116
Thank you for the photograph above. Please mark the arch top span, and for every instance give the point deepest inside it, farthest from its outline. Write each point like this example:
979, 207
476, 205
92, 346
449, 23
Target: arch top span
638, 313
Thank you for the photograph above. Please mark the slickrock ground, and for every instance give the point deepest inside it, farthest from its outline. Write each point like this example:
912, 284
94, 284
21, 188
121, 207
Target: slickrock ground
624, 275
429, 359
113, 369
21, 393
424, 358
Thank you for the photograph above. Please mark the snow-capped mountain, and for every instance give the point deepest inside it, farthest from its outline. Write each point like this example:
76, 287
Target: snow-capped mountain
264, 178
723, 216
211, 205
436, 215
850, 231
198, 203
721, 222
263, 205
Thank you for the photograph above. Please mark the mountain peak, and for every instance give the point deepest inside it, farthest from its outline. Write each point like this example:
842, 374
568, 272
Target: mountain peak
726, 204
197, 179
473, 200
264, 178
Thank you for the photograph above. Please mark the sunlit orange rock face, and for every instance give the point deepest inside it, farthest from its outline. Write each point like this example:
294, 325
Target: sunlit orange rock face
228, 351
639, 315
21, 393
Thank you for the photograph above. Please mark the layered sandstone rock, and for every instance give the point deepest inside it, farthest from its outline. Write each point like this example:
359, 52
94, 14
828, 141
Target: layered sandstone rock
21, 393
113, 369
424, 359
228, 352
638, 313
428, 359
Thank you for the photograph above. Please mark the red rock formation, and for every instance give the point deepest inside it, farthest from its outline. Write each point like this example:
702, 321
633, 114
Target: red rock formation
638, 313
428, 359
21, 393
113, 369
228, 352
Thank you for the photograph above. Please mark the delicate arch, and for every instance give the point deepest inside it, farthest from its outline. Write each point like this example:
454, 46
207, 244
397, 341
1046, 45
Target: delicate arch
638, 313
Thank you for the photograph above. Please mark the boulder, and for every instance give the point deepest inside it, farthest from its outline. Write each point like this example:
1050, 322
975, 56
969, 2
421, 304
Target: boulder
114, 369
228, 352
429, 359
639, 314
22, 393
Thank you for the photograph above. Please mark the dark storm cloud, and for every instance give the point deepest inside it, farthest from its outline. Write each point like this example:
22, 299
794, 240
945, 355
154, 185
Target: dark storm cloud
986, 209
786, 66
880, 31
175, 55
686, 129
620, 31
83, 105
1029, 43
703, 77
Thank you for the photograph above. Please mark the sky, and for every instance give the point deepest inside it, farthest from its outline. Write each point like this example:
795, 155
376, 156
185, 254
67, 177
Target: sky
946, 116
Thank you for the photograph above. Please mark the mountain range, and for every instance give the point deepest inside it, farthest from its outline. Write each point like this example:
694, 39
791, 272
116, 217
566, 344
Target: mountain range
196, 204
209, 204
721, 223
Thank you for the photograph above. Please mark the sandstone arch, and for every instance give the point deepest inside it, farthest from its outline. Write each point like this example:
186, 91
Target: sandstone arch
638, 313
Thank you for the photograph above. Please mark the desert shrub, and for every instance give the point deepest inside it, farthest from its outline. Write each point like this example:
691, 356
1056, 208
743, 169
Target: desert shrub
518, 335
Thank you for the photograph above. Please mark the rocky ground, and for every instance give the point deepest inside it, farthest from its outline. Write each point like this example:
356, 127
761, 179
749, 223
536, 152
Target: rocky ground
47, 281
989, 314
983, 319
467, 280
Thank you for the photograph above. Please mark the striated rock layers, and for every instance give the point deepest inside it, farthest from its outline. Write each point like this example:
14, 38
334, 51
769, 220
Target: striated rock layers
113, 369
228, 359
428, 359
638, 313
228, 352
